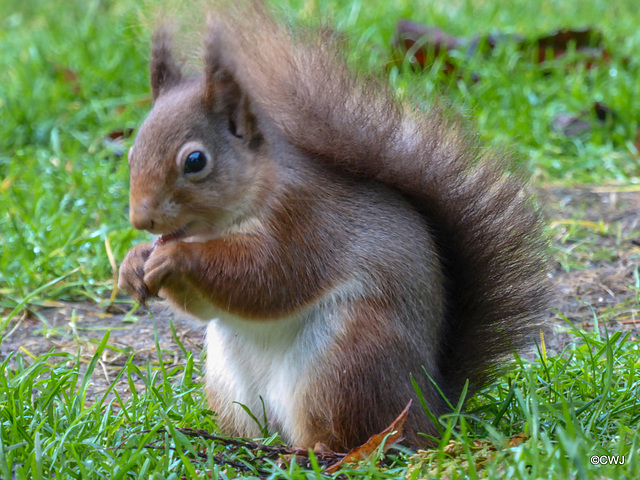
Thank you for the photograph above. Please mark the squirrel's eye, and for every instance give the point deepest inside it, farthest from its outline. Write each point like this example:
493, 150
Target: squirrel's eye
195, 162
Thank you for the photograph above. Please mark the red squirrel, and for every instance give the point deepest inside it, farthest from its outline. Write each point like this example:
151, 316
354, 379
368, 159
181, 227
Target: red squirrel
338, 241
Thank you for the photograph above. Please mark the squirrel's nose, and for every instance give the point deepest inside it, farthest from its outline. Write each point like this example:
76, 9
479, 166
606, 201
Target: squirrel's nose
141, 217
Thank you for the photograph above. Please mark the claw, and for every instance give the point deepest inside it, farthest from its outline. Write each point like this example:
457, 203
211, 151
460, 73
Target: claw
143, 295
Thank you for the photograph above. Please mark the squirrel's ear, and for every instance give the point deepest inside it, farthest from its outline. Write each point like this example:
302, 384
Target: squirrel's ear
222, 92
242, 121
164, 71
216, 76
236, 104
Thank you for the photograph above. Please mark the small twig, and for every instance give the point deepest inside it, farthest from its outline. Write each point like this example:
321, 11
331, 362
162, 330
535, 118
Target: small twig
622, 322
162, 447
24, 315
217, 457
104, 369
273, 449
114, 269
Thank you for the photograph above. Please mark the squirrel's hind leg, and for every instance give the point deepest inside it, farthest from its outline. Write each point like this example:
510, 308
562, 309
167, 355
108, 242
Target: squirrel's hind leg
356, 391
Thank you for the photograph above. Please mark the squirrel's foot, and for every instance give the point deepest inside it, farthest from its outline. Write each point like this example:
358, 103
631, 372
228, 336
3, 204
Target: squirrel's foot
132, 272
164, 266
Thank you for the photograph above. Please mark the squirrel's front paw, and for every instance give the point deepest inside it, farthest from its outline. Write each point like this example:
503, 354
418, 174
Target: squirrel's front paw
164, 266
132, 272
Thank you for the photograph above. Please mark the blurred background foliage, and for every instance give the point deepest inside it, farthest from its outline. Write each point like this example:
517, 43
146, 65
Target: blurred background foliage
74, 86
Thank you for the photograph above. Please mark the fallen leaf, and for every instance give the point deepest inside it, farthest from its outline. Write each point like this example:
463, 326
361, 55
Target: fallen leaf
120, 134
558, 42
115, 140
604, 112
575, 125
451, 447
570, 125
410, 33
389, 436
517, 440
424, 44
68, 76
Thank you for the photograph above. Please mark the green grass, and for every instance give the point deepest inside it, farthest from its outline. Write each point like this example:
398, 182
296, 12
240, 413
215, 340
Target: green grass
71, 76
73, 73
544, 420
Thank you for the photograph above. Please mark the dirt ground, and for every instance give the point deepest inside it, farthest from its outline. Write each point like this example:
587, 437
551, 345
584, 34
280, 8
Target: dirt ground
607, 249
605, 255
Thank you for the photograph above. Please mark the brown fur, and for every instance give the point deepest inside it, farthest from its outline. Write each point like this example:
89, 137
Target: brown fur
325, 201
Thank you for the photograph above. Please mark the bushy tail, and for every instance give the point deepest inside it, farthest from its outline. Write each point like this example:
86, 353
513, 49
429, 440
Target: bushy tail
488, 232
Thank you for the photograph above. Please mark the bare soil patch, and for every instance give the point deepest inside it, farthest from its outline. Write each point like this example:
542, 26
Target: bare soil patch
78, 329
604, 254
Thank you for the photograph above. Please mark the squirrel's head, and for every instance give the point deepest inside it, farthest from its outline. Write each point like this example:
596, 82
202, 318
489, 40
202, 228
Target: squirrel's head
198, 158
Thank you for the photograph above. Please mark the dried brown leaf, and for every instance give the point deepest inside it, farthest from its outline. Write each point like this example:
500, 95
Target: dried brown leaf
120, 134
517, 440
426, 43
586, 40
115, 140
604, 112
389, 436
570, 125
68, 76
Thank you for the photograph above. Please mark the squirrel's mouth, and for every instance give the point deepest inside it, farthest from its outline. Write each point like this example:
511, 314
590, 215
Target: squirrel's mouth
173, 236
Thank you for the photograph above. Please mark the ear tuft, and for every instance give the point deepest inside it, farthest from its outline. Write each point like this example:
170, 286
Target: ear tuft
164, 71
214, 73
246, 124
223, 92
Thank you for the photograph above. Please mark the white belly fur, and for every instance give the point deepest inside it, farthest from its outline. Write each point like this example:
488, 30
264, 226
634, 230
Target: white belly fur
272, 359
